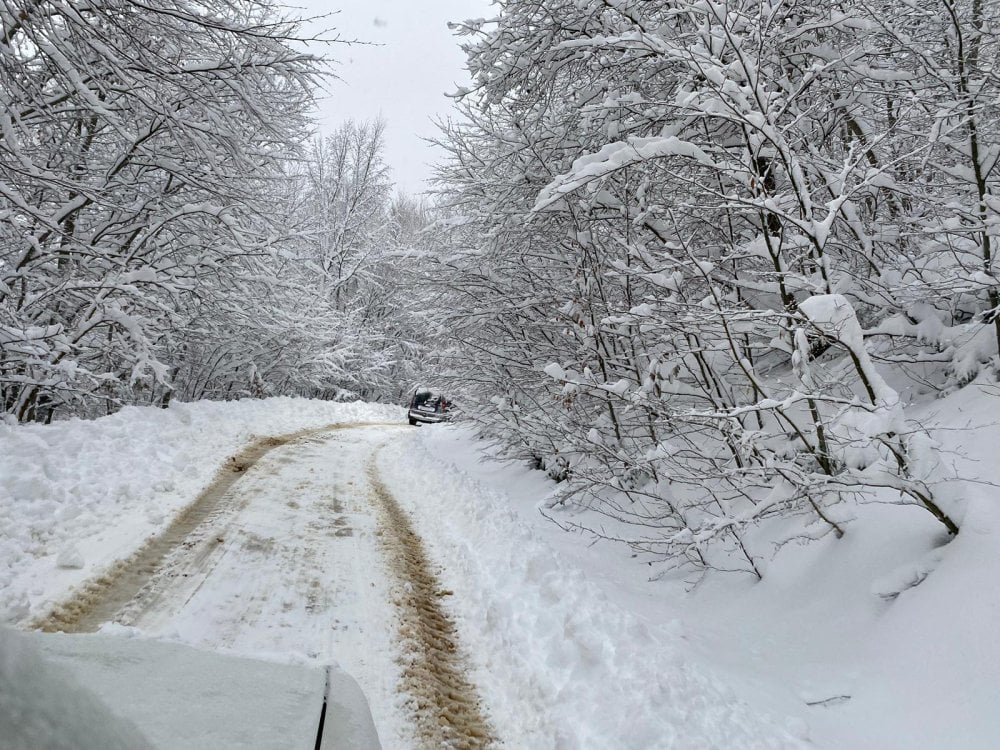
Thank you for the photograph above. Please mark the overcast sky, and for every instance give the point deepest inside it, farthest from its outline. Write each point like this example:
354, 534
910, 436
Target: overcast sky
404, 80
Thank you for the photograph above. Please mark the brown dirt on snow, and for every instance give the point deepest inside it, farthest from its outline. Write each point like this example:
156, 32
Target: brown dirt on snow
444, 703
102, 598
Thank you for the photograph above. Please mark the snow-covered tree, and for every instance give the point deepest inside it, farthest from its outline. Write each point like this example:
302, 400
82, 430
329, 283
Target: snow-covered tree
323, 310
137, 145
684, 239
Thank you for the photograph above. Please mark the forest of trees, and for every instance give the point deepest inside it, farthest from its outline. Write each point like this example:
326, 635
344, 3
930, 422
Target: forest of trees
699, 249
683, 256
170, 227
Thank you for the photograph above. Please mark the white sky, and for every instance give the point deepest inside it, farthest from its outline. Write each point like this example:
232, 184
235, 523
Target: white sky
404, 80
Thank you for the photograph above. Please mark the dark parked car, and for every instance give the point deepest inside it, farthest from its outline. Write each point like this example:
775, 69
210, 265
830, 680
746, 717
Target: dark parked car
429, 407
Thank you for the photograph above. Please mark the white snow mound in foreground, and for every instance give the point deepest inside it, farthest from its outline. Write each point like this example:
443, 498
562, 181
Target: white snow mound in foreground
43, 707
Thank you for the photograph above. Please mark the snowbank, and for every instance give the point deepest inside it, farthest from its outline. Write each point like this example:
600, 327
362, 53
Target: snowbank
558, 662
77, 495
882, 639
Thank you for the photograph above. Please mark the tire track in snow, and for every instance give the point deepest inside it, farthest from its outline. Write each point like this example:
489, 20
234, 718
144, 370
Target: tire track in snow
445, 705
101, 599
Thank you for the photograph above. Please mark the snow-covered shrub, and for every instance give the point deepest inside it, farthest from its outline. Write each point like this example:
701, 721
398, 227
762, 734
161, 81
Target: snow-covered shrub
690, 237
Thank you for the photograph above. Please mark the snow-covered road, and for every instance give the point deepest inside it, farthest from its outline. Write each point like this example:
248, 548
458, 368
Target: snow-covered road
388, 550
402, 556
307, 553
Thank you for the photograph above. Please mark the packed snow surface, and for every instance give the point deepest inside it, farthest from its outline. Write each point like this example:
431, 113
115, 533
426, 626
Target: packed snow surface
77, 495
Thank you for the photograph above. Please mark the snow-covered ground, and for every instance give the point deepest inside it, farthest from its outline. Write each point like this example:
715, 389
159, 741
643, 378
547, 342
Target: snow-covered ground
568, 643
823, 646
561, 660
79, 494
297, 573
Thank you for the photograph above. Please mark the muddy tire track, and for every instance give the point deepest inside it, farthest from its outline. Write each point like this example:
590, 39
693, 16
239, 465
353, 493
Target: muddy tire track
102, 598
444, 704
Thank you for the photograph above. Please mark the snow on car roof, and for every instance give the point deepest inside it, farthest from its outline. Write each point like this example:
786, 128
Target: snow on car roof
429, 391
